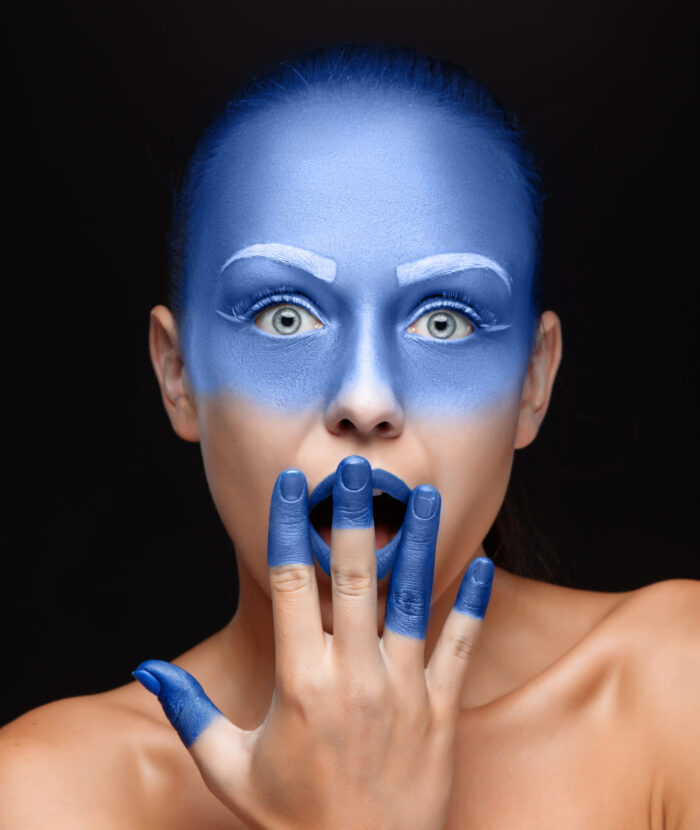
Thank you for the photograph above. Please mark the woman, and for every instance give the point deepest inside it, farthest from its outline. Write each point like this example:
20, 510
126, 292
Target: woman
355, 340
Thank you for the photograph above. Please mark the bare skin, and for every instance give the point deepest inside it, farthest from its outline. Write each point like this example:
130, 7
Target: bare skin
577, 711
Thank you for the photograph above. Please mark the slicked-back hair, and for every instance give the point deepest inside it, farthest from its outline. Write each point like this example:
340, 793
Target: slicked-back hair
333, 72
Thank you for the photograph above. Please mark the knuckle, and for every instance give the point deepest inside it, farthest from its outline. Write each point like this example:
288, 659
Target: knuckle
286, 580
442, 732
300, 692
413, 711
410, 602
462, 644
367, 699
419, 541
350, 514
351, 582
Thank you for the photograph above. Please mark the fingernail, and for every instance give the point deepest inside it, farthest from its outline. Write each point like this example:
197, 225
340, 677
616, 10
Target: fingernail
352, 494
482, 571
291, 485
424, 502
147, 680
475, 591
354, 472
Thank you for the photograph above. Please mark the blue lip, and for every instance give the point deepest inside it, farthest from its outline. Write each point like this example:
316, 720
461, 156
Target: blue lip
381, 480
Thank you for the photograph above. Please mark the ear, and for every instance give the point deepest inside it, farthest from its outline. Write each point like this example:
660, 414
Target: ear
172, 376
541, 372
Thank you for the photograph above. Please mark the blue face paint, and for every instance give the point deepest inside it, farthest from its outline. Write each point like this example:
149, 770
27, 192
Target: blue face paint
374, 247
475, 590
411, 584
184, 702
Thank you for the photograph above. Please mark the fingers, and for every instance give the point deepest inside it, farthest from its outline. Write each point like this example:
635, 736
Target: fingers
411, 584
449, 661
353, 561
219, 748
295, 604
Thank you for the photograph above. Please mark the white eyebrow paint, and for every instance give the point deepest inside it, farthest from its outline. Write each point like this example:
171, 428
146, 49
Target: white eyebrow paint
318, 266
439, 264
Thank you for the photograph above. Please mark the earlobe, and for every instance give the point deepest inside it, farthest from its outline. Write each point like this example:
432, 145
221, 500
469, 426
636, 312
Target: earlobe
542, 370
171, 374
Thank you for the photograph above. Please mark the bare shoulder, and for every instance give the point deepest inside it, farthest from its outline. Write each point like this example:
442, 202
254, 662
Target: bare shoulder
643, 646
659, 626
77, 762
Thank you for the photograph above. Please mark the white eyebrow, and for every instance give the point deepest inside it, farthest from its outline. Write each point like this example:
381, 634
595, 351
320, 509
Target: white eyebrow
318, 266
439, 264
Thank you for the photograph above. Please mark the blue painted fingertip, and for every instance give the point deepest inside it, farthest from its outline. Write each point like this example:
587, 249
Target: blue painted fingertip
288, 540
184, 701
352, 494
475, 590
148, 681
425, 502
291, 484
411, 584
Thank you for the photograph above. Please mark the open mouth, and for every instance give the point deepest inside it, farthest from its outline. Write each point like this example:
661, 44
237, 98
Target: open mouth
388, 517
389, 506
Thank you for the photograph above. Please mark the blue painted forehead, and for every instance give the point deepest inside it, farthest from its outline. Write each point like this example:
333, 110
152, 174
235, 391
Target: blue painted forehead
356, 72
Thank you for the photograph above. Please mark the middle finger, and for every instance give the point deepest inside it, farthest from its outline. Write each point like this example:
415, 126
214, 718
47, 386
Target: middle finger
353, 562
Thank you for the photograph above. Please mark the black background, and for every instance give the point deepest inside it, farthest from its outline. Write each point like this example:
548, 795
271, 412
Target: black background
113, 551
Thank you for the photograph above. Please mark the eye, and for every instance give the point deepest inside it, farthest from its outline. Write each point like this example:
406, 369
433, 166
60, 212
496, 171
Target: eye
442, 325
286, 319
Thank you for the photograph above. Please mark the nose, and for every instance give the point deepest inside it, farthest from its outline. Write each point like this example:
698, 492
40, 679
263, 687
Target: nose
365, 404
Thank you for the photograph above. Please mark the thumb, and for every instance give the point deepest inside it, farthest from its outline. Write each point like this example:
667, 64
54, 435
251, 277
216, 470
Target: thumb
217, 745
184, 701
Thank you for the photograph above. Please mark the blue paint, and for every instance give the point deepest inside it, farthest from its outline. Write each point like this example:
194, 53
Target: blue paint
288, 541
411, 584
184, 702
355, 332
352, 494
348, 71
381, 480
373, 187
475, 591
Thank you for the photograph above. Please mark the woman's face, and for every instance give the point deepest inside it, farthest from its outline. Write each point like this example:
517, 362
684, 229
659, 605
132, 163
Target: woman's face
360, 283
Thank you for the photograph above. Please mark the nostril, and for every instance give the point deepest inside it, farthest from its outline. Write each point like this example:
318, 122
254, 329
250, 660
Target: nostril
384, 426
345, 424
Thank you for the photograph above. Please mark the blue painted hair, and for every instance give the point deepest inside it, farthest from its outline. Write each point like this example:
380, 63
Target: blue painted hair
360, 67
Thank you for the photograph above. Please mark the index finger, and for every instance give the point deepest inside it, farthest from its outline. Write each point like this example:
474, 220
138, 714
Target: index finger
296, 610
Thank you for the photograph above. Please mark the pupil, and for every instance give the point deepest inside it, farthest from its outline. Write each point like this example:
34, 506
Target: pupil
286, 320
441, 324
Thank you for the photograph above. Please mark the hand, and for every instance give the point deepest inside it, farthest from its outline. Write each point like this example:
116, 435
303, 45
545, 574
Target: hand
359, 733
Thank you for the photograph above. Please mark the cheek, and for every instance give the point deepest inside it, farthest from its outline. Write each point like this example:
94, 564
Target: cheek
283, 374
292, 375
472, 459
244, 449
465, 382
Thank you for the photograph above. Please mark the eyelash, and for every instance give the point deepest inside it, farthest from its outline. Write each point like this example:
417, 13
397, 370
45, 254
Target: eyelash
248, 307
467, 307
